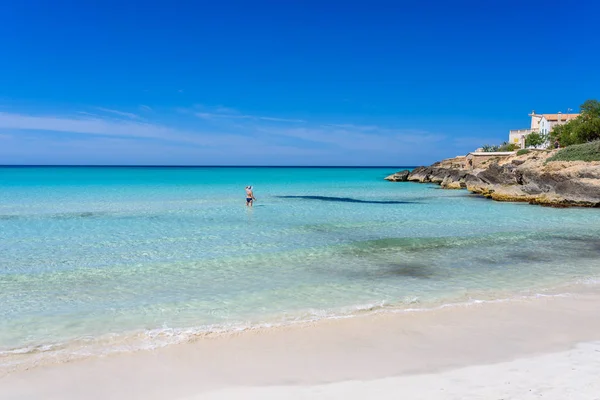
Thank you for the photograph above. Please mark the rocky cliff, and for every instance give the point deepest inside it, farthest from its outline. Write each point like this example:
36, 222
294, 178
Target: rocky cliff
528, 178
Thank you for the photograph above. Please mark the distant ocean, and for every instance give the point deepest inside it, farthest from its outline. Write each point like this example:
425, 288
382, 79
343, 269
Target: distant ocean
95, 260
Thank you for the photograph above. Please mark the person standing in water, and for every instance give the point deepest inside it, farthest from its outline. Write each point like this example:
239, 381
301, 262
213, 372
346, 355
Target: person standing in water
249, 196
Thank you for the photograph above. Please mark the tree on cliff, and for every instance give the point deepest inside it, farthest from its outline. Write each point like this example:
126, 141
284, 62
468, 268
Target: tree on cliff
591, 108
589, 129
585, 128
535, 139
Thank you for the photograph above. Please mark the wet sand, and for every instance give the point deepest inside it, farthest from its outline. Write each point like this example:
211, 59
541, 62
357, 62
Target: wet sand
516, 349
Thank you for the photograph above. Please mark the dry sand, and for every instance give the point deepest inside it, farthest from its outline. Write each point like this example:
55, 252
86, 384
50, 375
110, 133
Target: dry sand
573, 374
546, 347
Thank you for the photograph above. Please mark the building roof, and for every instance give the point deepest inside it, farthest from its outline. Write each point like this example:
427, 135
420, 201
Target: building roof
555, 117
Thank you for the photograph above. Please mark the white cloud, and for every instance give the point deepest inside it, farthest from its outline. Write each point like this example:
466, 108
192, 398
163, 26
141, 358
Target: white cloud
144, 107
97, 126
89, 114
94, 126
98, 149
341, 136
223, 110
224, 113
280, 119
119, 113
355, 127
204, 115
228, 133
355, 138
208, 115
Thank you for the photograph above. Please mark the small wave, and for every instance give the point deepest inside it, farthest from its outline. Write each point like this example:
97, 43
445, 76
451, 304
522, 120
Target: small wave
594, 280
30, 349
23, 358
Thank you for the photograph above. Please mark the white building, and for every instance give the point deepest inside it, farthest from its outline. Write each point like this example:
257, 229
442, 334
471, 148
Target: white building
548, 121
542, 123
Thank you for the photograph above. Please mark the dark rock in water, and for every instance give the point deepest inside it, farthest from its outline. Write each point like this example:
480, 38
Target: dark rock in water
421, 174
497, 175
401, 176
448, 178
454, 179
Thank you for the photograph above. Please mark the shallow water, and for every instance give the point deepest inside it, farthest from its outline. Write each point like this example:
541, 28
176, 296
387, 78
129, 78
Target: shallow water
94, 255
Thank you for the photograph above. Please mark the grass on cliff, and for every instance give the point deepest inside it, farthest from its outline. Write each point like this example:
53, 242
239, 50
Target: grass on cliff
522, 151
578, 152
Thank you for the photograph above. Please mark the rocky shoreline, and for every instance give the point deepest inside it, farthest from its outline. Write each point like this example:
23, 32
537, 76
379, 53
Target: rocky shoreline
524, 178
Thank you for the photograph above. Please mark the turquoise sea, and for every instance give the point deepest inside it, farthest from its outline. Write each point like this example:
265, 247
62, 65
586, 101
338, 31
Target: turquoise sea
94, 260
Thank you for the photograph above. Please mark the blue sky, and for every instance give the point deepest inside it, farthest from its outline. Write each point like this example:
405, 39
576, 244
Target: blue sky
284, 82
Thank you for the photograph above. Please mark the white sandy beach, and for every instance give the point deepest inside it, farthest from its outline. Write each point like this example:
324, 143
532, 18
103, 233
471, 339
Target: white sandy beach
548, 347
571, 374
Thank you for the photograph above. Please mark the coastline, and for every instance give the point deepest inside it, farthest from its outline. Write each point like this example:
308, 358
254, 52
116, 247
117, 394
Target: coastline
532, 177
116, 344
383, 351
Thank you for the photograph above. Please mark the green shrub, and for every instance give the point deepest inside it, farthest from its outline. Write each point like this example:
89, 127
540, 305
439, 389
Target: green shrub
489, 148
503, 147
584, 128
578, 152
522, 151
508, 147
